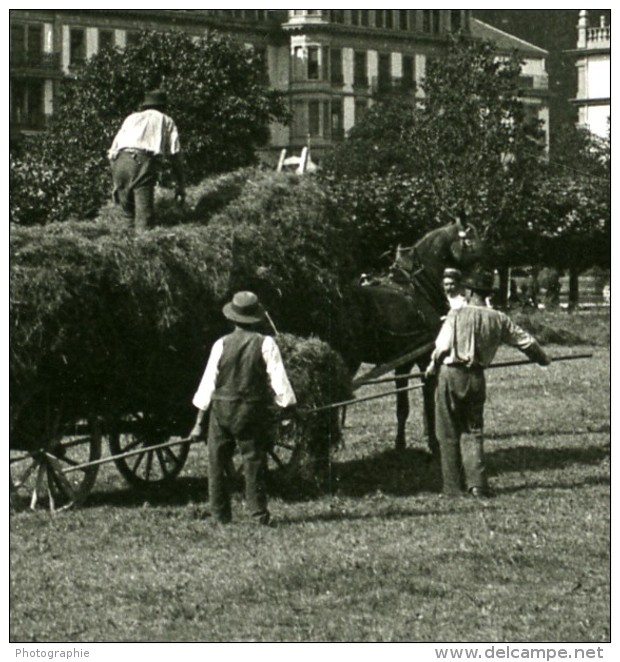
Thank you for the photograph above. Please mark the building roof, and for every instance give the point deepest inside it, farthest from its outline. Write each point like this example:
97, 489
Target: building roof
503, 40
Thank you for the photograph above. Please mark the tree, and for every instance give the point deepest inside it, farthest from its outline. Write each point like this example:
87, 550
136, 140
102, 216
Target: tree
218, 98
574, 205
469, 143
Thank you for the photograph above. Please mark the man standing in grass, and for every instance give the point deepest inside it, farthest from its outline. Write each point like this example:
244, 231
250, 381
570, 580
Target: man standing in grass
243, 373
145, 138
465, 346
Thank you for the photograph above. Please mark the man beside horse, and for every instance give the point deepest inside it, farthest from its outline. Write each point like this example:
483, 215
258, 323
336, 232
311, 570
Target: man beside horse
465, 346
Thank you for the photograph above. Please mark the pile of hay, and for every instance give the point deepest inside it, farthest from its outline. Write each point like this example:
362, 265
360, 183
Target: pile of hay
109, 322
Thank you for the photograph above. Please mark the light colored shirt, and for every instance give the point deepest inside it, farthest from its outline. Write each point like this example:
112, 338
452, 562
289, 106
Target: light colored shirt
278, 379
471, 336
150, 130
457, 301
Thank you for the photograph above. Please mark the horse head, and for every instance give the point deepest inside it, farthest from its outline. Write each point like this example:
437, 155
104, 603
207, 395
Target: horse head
465, 246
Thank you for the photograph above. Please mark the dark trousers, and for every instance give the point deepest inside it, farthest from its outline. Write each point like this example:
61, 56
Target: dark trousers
245, 426
459, 409
134, 176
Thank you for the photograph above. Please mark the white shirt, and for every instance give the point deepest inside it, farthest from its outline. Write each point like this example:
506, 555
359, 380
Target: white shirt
457, 301
150, 130
285, 397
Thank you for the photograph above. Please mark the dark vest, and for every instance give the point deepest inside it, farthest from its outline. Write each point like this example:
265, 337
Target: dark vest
242, 373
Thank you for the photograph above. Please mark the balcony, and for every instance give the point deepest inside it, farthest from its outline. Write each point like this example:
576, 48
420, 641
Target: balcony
35, 60
599, 37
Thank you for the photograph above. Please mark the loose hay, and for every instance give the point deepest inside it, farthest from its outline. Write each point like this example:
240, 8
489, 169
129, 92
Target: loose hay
108, 322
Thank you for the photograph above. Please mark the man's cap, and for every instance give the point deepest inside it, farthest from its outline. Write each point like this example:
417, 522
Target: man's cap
245, 308
155, 98
479, 281
454, 274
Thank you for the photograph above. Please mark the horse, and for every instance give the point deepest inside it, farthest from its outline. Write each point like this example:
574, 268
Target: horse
403, 311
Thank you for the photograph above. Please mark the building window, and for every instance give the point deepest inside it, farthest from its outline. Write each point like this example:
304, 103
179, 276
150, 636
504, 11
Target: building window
355, 17
133, 37
299, 128
384, 79
379, 18
336, 15
389, 19
403, 22
26, 44
435, 21
299, 69
360, 76
314, 69
106, 39
77, 46
365, 17
314, 118
408, 72
455, 20
335, 73
337, 120
27, 103
361, 107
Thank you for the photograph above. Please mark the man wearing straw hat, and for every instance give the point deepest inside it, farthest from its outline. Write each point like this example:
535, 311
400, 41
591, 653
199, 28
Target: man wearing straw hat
145, 138
465, 346
243, 374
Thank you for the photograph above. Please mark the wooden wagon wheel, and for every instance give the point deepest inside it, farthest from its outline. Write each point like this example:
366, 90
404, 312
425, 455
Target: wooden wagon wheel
153, 467
42, 476
287, 453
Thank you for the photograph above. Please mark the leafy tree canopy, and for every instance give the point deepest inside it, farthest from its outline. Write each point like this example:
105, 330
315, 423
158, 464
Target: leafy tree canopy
218, 97
469, 142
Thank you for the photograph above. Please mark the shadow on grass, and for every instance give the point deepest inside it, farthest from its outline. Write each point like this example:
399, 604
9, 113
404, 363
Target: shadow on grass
180, 492
567, 485
394, 473
546, 432
532, 458
398, 473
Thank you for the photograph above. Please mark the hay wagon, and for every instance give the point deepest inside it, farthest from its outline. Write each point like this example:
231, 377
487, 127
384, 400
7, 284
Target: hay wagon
55, 458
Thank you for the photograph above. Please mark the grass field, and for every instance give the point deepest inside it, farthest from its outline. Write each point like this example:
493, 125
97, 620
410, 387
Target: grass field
383, 557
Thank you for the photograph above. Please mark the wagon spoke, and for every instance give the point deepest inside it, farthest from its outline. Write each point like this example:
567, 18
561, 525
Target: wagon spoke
24, 477
38, 488
55, 473
132, 445
172, 456
138, 462
149, 465
162, 461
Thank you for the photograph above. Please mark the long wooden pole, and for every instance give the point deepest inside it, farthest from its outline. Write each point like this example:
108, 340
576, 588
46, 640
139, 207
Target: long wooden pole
356, 401
138, 451
503, 364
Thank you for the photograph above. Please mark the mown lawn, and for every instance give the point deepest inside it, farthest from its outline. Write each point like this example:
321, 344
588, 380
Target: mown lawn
383, 557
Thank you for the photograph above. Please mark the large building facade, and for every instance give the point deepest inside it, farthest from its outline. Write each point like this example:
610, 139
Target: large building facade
330, 64
593, 61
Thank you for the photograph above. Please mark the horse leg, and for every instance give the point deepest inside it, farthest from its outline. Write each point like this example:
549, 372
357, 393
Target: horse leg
402, 406
428, 393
